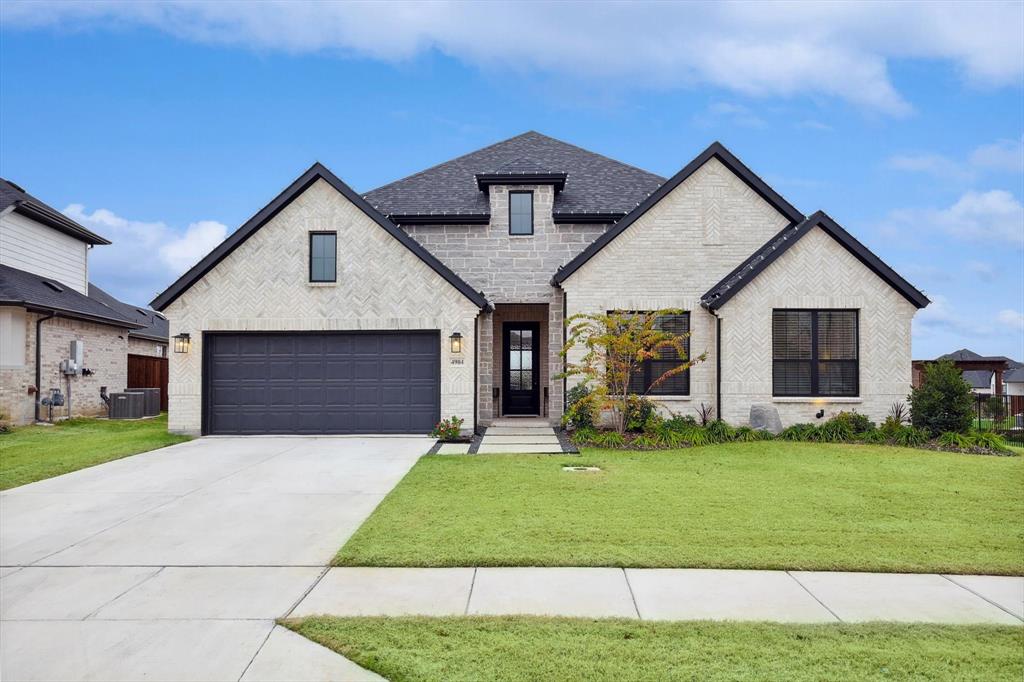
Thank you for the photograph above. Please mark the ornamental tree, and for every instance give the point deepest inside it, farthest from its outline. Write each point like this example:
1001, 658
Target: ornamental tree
615, 346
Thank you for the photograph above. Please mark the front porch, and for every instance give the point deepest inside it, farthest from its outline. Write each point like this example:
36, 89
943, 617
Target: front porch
519, 362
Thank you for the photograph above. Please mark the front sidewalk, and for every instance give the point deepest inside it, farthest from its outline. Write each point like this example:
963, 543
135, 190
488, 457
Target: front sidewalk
668, 594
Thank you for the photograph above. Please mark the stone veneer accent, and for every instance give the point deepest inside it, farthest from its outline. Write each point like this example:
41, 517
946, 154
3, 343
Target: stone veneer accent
816, 272
105, 353
263, 286
669, 257
514, 269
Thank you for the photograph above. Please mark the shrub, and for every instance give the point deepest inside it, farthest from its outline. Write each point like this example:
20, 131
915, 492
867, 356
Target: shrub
858, 423
580, 408
835, 430
989, 440
952, 439
696, 436
910, 437
799, 432
746, 434
639, 413
673, 439
584, 435
447, 429
648, 441
679, 423
705, 414
720, 432
876, 436
608, 439
943, 402
898, 411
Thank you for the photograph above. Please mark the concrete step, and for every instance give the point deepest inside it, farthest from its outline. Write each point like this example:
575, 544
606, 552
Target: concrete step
516, 448
518, 430
540, 439
522, 421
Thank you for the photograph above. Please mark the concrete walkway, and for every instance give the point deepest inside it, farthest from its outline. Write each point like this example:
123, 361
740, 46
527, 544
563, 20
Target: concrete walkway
668, 594
520, 435
174, 564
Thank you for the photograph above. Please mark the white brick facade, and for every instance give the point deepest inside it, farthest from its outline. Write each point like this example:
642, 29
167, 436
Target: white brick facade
263, 286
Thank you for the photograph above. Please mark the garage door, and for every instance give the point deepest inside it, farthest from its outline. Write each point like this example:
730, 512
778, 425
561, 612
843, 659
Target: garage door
322, 383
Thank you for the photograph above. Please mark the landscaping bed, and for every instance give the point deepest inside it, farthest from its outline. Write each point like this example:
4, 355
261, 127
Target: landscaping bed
537, 649
32, 453
766, 504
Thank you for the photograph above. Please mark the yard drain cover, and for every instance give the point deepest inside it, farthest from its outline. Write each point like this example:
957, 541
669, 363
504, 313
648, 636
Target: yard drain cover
576, 468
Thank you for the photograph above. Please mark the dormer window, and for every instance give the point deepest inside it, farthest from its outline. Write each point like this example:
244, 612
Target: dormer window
520, 213
323, 256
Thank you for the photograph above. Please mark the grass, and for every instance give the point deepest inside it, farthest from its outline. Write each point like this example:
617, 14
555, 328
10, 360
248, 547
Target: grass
774, 505
537, 649
32, 453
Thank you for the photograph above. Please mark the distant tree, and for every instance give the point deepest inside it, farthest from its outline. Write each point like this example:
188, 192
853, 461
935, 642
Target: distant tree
943, 402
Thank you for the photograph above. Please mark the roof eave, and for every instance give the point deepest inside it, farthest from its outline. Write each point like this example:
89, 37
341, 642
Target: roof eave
59, 222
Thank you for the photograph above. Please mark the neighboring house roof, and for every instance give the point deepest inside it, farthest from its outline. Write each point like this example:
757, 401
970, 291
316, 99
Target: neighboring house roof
597, 188
27, 205
966, 355
717, 151
1014, 376
154, 325
749, 269
978, 378
316, 172
39, 293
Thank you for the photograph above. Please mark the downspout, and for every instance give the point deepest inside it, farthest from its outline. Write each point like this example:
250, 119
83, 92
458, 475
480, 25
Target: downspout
718, 362
476, 371
565, 328
39, 356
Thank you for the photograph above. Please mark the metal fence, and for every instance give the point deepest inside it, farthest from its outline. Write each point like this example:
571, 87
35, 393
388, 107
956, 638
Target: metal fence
1003, 414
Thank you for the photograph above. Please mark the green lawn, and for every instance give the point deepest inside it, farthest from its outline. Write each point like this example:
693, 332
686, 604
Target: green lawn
775, 505
32, 453
537, 649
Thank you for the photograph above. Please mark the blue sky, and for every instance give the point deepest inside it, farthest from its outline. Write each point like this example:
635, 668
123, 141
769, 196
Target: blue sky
165, 126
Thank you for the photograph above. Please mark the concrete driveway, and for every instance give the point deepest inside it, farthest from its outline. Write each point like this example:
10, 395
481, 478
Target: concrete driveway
173, 564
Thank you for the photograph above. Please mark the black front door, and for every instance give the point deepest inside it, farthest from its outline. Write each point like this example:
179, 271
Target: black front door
521, 375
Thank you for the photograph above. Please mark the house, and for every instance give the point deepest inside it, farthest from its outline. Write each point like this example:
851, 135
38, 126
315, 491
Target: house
445, 294
986, 374
980, 380
46, 302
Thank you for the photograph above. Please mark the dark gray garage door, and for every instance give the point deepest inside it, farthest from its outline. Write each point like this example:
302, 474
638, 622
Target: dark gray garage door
310, 383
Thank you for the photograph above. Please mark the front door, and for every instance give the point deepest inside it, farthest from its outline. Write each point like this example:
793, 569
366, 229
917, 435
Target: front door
521, 374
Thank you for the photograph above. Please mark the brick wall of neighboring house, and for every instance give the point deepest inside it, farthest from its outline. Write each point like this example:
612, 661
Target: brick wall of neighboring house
105, 353
512, 269
671, 255
137, 346
816, 272
263, 286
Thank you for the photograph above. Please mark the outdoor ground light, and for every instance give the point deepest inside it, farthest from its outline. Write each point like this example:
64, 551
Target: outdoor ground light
456, 339
182, 342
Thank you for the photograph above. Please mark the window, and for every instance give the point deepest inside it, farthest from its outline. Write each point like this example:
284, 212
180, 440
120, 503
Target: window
814, 353
650, 370
520, 212
323, 256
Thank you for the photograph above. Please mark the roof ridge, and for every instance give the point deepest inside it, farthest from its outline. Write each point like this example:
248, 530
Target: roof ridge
603, 156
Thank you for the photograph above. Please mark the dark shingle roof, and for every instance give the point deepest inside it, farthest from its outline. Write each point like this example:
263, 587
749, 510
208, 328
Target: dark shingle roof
21, 288
595, 184
27, 205
967, 355
978, 378
1014, 376
155, 326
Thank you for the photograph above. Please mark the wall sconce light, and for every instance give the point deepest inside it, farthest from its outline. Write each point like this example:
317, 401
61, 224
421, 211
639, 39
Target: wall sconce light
182, 342
456, 339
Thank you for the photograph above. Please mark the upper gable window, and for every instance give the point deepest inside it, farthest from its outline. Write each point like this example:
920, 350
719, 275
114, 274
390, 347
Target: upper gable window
520, 212
323, 256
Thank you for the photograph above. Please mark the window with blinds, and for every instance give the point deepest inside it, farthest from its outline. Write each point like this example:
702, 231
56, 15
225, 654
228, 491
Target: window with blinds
679, 384
814, 353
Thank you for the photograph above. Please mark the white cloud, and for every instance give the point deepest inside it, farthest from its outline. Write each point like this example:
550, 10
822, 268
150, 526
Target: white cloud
836, 49
1012, 318
936, 165
984, 218
144, 257
984, 271
1004, 155
811, 124
737, 114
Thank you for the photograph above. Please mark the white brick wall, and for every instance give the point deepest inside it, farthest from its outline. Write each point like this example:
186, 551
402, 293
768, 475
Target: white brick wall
263, 286
674, 253
816, 272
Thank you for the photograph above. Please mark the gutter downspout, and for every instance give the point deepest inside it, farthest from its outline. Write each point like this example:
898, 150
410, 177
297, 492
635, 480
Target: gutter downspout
39, 354
718, 362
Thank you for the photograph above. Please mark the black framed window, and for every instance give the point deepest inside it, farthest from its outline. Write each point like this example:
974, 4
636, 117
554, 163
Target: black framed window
815, 353
650, 370
520, 212
323, 256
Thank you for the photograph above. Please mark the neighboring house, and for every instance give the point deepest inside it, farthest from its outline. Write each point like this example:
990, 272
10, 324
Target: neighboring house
46, 302
980, 380
445, 293
1013, 380
985, 373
